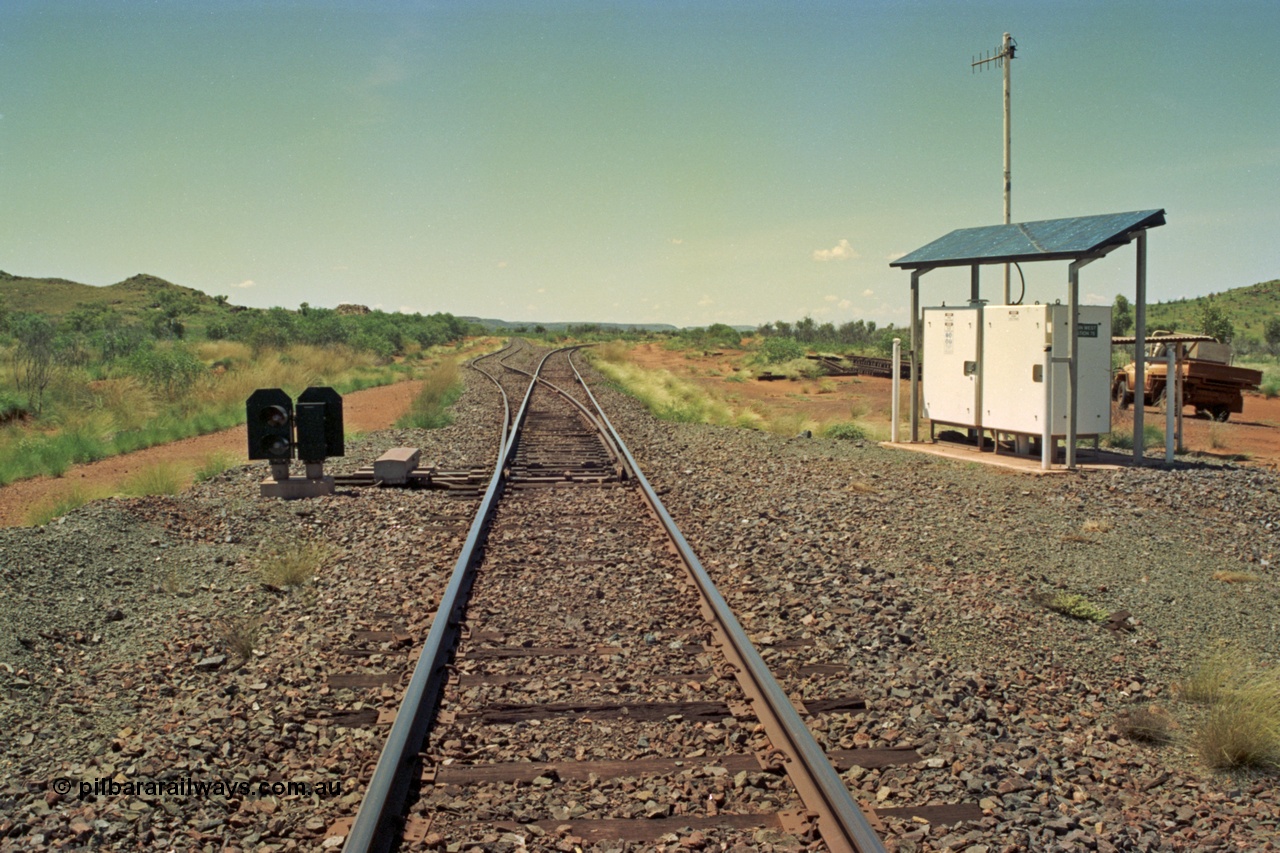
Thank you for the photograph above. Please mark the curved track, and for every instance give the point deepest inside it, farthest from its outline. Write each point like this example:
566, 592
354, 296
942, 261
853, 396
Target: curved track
583, 679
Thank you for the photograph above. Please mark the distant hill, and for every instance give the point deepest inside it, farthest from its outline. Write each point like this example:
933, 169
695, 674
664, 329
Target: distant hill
56, 296
510, 326
1248, 309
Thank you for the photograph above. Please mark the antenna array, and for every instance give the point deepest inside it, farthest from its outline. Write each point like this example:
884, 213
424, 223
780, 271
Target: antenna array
996, 57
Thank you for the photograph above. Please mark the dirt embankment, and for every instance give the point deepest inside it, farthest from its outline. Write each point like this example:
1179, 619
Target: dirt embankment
363, 411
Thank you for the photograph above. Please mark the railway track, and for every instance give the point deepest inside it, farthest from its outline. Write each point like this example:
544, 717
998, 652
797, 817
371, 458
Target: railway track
583, 680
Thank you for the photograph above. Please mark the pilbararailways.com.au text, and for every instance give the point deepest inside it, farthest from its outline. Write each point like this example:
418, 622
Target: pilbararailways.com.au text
187, 786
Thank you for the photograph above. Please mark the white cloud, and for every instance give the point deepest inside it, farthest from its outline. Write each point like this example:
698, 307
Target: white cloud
542, 290
406, 309
845, 303
868, 292
246, 284
841, 251
893, 256
677, 241
705, 301
831, 298
502, 265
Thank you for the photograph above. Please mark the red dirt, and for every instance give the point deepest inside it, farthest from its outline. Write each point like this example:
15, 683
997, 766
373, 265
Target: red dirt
1253, 434
362, 411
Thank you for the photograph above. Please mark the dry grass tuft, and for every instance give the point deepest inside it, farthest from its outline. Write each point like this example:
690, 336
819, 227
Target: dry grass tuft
1218, 436
1236, 577
292, 564
1149, 725
240, 636
1242, 727
162, 478
1096, 525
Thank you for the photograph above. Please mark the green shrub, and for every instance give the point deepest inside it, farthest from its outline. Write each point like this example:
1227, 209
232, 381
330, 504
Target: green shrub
779, 351
12, 407
1072, 604
1270, 386
845, 431
1120, 439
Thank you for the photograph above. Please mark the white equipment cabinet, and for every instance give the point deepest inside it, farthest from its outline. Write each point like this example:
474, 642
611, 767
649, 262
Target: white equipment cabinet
953, 365
1014, 338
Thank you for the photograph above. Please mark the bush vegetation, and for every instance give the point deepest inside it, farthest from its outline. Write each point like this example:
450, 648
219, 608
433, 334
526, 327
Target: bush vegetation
87, 373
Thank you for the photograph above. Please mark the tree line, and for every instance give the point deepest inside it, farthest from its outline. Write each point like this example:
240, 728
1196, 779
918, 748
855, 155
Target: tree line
153, 345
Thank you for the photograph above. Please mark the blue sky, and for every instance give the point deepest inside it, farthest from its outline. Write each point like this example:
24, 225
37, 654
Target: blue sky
674, 162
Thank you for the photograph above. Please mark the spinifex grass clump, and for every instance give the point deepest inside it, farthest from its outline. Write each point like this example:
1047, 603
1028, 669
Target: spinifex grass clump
60, 505
670, 398
213, 465
1242, 728
441, 388
1149, 725
292, 564
240, 636
162, 478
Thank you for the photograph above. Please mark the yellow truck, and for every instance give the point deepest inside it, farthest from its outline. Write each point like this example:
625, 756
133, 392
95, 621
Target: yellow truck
1209, 381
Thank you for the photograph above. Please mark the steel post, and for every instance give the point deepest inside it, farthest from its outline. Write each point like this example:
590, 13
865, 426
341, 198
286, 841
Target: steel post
915, 356
1140, 348
1170, 401
896, 383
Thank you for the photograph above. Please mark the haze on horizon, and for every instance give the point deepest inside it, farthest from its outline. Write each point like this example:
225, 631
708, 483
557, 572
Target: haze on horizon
633, 162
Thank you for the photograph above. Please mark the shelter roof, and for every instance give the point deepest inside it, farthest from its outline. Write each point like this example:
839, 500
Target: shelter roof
1046, 240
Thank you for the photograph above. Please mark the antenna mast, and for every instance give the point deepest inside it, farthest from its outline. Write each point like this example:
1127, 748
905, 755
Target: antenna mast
1003, 58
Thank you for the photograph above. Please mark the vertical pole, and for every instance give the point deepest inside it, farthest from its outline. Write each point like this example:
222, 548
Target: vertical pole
895, 383
915, 356
1073, 374
1008, 177
1140, 349
974, 291
1046, 439
1180, 354
1170, 402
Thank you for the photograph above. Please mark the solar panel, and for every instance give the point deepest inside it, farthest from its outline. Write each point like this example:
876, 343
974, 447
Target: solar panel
1045, 240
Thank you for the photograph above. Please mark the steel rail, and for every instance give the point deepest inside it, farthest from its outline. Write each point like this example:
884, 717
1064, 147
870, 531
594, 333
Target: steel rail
592, 420
842, 824
506, 406
375, 825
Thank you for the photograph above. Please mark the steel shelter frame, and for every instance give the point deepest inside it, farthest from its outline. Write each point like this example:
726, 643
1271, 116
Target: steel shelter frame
1080, 241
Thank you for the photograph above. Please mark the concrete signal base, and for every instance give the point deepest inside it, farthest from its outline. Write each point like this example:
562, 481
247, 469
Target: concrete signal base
281, 485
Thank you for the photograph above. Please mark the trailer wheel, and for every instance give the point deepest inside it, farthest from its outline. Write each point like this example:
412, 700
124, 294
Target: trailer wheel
1220, 413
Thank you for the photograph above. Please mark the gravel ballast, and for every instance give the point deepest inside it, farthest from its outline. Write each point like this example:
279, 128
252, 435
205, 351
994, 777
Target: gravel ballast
919, 575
